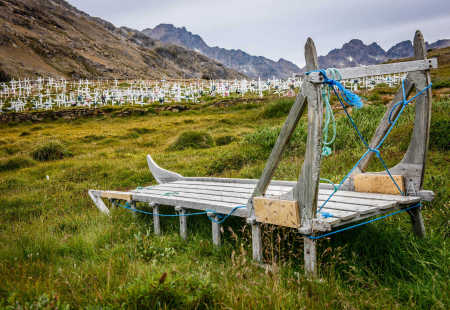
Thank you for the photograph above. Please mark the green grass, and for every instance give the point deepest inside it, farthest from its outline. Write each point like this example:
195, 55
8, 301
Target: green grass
58, 251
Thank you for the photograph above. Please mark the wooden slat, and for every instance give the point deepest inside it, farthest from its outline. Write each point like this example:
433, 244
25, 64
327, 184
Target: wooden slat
212, 189
359, 201
190, 203
278, 212
232, 185
343, 215
182, 194
396, 198
361, 209
382, 69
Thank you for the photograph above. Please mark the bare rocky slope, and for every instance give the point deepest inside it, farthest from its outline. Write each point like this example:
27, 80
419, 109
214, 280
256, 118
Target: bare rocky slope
51, 37
252, 66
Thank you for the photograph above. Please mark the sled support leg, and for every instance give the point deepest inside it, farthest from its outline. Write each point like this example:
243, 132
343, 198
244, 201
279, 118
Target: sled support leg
156, 223
257, 242
183, 222
417, 222
310, 256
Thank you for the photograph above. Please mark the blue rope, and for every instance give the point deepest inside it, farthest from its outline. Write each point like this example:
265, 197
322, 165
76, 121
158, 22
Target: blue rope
375, 150
363, 223
222, 217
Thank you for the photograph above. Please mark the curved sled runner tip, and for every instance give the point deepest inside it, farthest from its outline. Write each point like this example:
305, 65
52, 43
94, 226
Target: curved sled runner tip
98, 201
162, 175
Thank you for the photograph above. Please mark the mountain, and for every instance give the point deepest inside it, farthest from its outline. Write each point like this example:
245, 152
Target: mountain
252, 66
356, 53
51, 37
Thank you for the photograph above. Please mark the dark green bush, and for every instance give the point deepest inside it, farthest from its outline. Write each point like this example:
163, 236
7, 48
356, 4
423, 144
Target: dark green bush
142, 131
91, 138
266, 137
441, 84
224, 140
227, 161
52, 150
440, 134
192, 139
168, 292
15, 163
279, 108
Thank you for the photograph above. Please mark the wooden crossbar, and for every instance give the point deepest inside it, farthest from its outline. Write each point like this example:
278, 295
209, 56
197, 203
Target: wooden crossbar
364, 71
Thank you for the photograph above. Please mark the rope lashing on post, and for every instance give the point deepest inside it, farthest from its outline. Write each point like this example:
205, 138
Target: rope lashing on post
222, 217
331, 77
364, 223
375, 149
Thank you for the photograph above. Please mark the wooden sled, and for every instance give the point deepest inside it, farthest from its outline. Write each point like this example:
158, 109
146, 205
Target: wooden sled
295, 204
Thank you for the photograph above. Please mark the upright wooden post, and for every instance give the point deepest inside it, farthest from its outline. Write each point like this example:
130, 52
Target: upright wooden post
275, 156
306, 190
156, 223
183, 222
418, 148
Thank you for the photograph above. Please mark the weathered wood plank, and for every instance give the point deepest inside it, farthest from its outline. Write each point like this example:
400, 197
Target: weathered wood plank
116, 195
305, 192
382, 69
360, 209
190, 203
372, 196
277, 212
378, 183
233, 185
182, 194
359, 201
208, 189
343, 215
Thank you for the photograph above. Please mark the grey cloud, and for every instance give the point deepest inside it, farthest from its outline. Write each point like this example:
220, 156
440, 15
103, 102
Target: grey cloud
279, 28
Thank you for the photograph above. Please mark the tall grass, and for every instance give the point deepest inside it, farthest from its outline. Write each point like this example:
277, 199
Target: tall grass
58, 251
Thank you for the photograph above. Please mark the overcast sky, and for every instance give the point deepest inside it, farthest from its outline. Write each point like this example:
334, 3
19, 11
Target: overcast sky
278, 29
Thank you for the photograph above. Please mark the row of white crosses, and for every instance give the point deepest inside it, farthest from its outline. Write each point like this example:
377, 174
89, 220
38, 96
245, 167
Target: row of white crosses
370, 82
50, 93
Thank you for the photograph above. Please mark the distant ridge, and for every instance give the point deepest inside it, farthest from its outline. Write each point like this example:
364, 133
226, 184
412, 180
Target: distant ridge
252, 66
356, 53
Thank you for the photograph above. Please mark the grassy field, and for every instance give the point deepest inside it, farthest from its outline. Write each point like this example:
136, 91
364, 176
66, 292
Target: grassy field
58, 251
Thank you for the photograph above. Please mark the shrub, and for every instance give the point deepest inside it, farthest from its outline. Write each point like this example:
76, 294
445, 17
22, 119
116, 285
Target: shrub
91, 138
227, 161
142, 130
224, 140
52, 150
192, 139
15, 163
441, 84
277, 109
266, 137
440, 134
